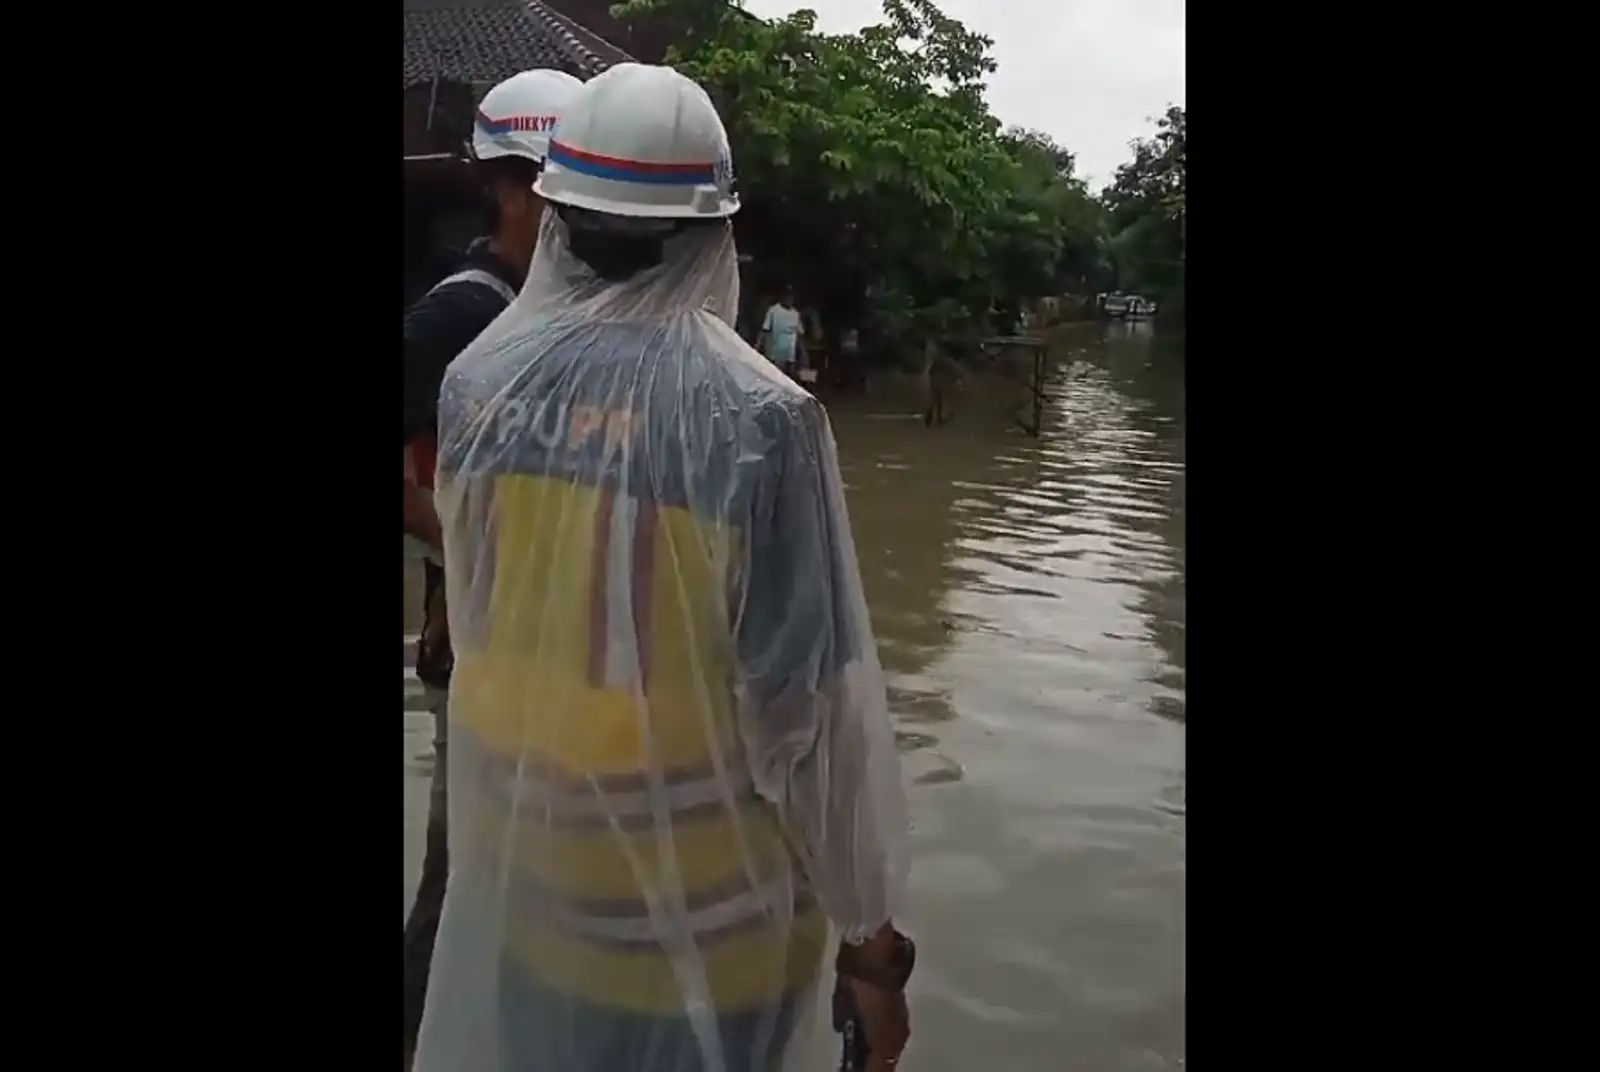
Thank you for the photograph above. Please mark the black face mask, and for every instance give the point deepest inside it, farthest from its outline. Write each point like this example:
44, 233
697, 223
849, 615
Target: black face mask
615, 258
616, 247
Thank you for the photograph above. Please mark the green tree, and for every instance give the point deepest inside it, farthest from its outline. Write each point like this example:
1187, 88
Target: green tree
872, 171
1058, 210
1147, 209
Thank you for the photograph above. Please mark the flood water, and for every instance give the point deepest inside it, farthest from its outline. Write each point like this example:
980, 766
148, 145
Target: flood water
1028, 600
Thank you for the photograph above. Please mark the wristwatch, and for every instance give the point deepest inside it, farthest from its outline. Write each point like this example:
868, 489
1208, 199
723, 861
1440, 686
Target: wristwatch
893, 975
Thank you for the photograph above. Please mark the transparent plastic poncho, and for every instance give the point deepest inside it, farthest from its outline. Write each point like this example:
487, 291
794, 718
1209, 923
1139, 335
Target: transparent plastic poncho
670, 762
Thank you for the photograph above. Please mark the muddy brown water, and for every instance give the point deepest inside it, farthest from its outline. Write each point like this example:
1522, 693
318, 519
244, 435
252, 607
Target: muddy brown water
1028, 601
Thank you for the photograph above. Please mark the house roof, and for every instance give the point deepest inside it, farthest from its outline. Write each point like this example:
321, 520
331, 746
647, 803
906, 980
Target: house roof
488, 40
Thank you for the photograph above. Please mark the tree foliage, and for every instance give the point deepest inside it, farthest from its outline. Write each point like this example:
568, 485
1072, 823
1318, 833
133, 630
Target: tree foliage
872, 172
1147, 207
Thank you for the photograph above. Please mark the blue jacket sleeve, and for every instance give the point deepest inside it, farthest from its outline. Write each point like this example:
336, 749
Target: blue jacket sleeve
797, 631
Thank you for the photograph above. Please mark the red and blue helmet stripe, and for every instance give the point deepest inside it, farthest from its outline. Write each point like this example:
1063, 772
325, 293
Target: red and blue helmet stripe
514, 124
611, 167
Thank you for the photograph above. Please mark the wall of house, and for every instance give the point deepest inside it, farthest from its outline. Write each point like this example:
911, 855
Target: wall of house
451, 127
444, 208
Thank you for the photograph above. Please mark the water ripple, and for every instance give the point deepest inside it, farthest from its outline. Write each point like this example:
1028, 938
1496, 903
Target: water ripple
1028, 600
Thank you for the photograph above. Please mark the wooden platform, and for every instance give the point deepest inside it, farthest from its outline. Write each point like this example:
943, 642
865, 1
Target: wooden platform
1021, 360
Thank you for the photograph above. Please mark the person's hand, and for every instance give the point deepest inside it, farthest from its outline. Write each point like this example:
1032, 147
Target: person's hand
420, 518
885, 1020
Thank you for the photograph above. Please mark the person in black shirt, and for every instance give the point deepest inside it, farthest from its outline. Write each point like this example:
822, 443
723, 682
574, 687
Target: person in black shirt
510, 138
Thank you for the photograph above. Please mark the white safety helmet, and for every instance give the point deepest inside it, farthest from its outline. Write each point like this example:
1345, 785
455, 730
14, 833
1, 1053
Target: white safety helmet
641, 141
516, 117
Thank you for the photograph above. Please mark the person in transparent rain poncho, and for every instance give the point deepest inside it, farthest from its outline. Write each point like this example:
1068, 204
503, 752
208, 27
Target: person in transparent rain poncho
671, 762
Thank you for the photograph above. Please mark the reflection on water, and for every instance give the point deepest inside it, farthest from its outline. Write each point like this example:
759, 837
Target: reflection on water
1028, 597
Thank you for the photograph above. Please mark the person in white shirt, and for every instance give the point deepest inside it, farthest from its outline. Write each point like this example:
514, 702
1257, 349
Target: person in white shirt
780, 337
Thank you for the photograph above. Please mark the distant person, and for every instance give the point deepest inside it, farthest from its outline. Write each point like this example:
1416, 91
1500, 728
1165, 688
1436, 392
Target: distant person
941, 375
508, 149
781, 333
671, 758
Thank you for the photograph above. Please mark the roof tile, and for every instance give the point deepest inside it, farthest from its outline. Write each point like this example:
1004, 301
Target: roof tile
489, 40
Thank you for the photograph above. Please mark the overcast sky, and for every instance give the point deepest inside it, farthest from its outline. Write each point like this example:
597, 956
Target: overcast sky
1090, 73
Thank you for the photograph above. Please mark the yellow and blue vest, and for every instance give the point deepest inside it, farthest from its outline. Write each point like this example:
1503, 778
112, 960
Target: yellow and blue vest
606, 803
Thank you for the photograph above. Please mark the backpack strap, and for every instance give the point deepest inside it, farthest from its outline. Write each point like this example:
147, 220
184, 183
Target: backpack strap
482, 278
